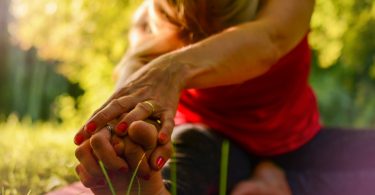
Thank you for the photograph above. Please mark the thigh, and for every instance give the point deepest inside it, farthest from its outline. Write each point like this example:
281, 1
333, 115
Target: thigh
336, 161
197, 159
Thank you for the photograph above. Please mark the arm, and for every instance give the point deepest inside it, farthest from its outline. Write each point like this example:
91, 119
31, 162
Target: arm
230, 57
146, 42
248, 50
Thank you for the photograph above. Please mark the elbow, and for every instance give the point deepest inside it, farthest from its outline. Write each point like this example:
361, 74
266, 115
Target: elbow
270, 56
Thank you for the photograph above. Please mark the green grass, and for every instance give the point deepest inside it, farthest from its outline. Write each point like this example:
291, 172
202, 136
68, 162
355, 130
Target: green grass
35, 159
224, 167
106, 176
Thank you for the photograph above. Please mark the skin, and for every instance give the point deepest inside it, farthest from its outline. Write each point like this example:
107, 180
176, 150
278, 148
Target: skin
128, 155
268, 179
159, 65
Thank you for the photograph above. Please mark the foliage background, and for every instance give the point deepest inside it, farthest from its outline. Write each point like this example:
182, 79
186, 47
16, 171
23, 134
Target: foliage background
56, 62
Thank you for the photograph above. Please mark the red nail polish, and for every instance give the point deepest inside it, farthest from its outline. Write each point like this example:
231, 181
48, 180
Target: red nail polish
160, 162
163, 137
91, 127
122, 127
78, 139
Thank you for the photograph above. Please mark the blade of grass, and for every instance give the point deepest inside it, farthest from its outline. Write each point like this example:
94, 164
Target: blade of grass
224, 167
173, 173
113, 192
134, 174
139, 187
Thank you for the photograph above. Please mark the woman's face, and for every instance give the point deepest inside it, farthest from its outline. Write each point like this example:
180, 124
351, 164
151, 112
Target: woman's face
160, 17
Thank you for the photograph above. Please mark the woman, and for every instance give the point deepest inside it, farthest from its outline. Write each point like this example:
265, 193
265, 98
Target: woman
230, 69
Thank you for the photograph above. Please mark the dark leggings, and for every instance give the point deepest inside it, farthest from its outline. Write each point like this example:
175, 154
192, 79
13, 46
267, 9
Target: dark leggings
336, 161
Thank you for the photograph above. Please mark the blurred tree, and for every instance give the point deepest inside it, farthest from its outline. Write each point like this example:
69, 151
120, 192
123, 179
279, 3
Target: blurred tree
344, 77
4, 37
87, 37
24, 77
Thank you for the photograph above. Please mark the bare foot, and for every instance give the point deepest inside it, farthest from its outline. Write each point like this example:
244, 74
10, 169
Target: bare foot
268, 179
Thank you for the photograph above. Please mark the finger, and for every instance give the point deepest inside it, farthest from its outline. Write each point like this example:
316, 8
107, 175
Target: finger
82, 134
104, 151
80, 137
117, 94
119, 149
167, 126
118, 145
140, 112
114, 109
88, 180
122, 126
160, 155
144, 134
250, 187
85, 156
133, 154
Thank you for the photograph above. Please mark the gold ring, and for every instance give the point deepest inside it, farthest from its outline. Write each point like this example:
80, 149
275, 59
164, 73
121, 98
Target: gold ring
151, 105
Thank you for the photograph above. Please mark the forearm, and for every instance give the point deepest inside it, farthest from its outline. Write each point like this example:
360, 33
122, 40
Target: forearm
227, 58
145, 44
246, 51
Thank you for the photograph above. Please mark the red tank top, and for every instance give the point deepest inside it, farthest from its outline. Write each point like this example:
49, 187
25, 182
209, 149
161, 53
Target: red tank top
271, 114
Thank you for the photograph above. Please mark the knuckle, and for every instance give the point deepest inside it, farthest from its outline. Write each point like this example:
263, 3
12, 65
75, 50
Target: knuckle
118, 104
131, 151
137, 125
96, 142
142, 92
79, 153
114, 103
144, 107
103, 115
130, 117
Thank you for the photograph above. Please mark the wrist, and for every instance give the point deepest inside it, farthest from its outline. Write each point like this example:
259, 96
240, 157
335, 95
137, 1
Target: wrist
190, 65
178, 70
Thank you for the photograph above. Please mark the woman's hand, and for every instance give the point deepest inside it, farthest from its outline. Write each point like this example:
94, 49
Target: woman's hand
112, 150
144, 74
141, 140
151, 92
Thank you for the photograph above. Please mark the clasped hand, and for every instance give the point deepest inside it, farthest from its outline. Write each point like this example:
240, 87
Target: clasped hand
152, 92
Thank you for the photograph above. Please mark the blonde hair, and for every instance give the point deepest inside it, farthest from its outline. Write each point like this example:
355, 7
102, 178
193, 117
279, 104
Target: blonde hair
201, 18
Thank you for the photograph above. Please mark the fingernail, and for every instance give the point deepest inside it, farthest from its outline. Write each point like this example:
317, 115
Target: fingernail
122, 127
163, 137
123, 169
160, 162
91, 127
78, 139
